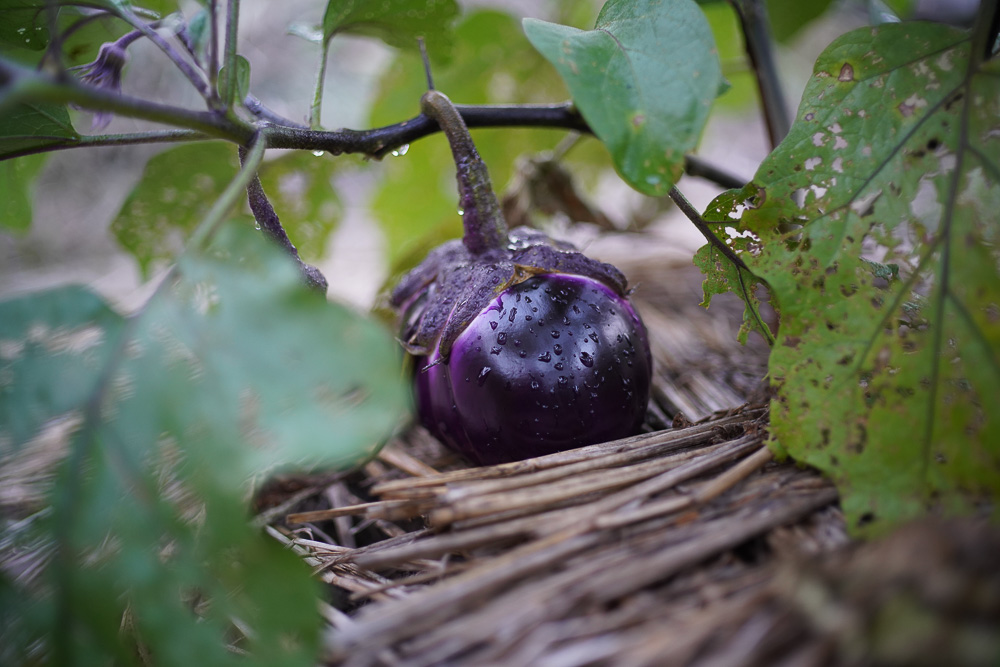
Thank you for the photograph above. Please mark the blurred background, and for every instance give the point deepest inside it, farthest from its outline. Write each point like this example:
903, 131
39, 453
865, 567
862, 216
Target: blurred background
361, 221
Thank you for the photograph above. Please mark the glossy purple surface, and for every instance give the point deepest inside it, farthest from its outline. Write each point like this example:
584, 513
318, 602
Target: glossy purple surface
555, 362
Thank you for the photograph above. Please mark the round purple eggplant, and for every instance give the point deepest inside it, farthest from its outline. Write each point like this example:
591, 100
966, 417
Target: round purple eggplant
523, 346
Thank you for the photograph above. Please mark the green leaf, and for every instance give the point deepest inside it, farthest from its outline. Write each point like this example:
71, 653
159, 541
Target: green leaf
179, 185
24, 24
83, 36
17, 190
241, 85
739, 85
177, 189
644, 80
52, 349
34, 125
233, 370
888, 384
723, 276
199, 31
396, 22
300, 187
788, 17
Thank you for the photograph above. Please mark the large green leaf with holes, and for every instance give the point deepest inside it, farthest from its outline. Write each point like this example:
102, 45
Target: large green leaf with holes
875, 225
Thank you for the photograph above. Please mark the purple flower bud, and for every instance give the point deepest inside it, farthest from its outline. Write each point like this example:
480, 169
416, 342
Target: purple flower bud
106, 72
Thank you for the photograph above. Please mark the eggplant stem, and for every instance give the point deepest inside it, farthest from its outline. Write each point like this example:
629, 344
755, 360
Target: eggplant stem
485, 226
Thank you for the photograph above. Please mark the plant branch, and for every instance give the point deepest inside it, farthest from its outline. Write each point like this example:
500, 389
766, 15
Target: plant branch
270, 224
757, 38
19, 84
257, 108
105, 140
229, 56
250, 160
316, 108
283, 133
692, 214
695, 166
984, 32
213, 48
379, 142
193, 74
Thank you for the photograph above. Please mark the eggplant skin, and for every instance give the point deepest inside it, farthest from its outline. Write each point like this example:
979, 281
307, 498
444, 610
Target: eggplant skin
552, 363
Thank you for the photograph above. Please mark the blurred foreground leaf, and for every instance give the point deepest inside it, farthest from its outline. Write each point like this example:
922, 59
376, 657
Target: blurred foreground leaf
875, 225
233, 370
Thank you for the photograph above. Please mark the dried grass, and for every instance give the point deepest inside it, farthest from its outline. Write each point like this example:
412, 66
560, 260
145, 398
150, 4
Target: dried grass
641, 551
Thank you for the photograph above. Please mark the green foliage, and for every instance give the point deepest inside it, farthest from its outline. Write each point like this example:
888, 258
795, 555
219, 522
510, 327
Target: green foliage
396, 22
17, 178
491, 63
33, 125
300, 186
177, 189
238, 88
644, 79
788, 17
55, 366
23, 25
179, 185
81, 43
886, 377
728, 37
26, 126
233, 370
723, 276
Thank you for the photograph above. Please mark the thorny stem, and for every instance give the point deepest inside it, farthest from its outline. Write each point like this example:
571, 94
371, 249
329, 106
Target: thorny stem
379, 142
692, 214
270, 224
757, 35
485, 227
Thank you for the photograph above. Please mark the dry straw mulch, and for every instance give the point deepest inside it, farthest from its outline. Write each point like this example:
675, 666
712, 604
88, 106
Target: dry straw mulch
656, 549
